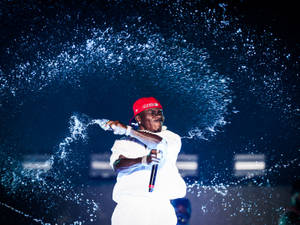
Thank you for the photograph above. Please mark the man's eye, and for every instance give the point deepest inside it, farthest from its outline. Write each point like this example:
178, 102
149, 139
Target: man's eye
156, 112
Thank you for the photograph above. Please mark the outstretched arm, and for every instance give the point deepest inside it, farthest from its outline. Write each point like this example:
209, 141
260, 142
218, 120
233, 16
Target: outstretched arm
149, 139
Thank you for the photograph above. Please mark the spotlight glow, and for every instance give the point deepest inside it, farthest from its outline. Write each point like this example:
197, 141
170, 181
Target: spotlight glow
249, 165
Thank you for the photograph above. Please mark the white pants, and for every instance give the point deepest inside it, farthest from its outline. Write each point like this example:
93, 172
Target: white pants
144, 211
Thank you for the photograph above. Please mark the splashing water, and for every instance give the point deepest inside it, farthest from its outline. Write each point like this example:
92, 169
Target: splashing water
35, 183
180, 68
24, 214
258, 199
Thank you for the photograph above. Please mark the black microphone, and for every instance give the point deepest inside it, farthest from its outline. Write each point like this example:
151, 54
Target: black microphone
153, 177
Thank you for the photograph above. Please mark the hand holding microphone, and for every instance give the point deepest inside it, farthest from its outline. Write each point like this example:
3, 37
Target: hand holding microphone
153, 158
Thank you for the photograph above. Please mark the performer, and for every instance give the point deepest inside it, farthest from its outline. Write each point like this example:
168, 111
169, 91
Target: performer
183, 210
132, 158
291, 215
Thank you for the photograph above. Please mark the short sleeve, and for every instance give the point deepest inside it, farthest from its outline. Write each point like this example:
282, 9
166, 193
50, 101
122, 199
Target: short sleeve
117, 149
173, 141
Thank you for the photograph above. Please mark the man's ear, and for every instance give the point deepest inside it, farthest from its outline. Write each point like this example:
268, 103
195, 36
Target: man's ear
138, 119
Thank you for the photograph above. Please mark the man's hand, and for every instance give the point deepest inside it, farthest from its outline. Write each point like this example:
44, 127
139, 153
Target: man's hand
117, 127
154, 157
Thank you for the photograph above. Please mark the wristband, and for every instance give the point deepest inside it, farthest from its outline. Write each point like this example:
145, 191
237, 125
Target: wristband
128, 130
144, 160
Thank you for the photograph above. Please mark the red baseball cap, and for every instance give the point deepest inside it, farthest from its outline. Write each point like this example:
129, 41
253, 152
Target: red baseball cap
145, 103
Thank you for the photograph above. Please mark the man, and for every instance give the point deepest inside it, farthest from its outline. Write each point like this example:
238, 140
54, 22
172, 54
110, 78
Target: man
183, 210
292, 214
132, 158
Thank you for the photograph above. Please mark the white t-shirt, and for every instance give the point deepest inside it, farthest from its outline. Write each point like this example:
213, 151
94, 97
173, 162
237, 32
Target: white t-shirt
134, 181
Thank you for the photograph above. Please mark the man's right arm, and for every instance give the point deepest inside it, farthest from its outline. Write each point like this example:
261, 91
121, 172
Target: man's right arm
149, 139
123, 163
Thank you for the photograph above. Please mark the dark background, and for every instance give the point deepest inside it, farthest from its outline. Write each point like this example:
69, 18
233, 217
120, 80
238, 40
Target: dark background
23, 21
35, 122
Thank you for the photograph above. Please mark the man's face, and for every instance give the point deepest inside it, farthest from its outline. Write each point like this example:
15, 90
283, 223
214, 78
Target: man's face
151, 119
